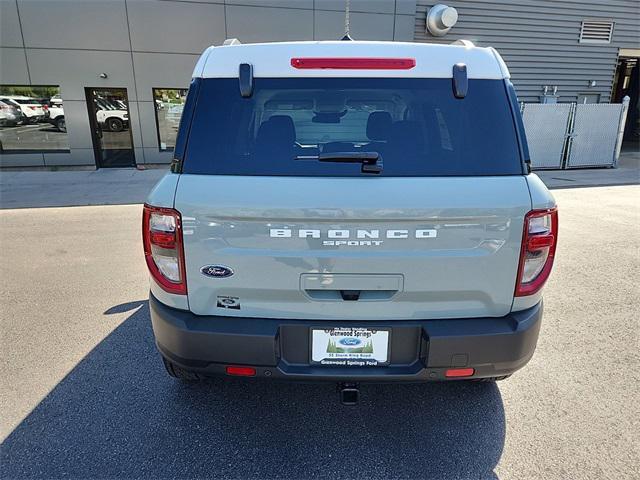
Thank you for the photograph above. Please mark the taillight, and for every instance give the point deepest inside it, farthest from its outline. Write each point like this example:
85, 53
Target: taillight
163, 248
459, 372
359, 63
538, 250
241, 371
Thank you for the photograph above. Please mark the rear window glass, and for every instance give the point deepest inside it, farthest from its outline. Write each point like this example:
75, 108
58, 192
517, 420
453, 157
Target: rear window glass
415, 126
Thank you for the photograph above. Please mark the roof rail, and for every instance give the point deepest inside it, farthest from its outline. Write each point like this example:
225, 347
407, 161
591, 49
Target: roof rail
464, 43
232, 41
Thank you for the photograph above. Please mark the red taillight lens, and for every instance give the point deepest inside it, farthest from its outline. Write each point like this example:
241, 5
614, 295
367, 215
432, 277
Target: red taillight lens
163, 239
241, 371
163, 248
459, 372
354, 63
538, 250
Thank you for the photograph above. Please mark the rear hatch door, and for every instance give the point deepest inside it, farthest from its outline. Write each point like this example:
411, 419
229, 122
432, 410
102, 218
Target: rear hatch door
347, 248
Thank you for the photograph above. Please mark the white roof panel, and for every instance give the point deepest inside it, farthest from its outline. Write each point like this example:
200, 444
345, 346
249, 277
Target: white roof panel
274, 59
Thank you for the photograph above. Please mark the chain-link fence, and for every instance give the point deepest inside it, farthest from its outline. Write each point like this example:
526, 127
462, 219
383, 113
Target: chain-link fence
569, 135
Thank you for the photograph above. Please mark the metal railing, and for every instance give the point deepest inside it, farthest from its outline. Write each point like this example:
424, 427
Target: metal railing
570, 135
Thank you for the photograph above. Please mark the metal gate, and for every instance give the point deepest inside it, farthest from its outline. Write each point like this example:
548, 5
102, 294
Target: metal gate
546, 126
569, 135
595, 135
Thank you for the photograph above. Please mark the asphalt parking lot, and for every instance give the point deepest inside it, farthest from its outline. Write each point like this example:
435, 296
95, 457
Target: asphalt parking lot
83, 392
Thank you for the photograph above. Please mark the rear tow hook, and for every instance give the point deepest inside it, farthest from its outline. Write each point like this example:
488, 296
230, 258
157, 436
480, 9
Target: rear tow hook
349, 393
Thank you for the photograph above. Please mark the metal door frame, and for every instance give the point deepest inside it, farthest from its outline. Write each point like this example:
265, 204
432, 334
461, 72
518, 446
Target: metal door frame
95, 127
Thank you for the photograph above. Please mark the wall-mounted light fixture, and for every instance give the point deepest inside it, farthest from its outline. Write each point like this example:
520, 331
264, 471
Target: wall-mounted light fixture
592, 83
440, 19
103, 75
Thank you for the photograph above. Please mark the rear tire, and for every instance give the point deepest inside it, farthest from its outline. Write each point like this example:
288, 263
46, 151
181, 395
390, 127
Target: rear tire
61, 124
180, 373
115, 124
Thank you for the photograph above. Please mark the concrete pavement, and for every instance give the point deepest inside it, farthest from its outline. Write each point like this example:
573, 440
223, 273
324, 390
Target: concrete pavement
626, 173
83, 393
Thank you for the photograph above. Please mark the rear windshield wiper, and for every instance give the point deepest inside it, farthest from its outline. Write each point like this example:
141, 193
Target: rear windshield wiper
371, 161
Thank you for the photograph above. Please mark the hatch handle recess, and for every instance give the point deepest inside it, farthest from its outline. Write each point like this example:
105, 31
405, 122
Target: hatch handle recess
460, 80
245, 75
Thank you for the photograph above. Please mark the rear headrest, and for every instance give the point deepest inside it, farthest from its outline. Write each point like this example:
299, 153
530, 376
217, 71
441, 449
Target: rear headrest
278, 130
378, 125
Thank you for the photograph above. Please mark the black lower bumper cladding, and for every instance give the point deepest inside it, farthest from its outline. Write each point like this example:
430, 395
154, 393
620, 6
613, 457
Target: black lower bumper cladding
420, 350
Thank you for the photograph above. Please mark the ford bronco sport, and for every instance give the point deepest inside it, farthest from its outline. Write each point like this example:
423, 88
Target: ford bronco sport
349, 211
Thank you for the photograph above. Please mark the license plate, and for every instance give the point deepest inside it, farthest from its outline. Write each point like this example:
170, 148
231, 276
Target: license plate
350, 347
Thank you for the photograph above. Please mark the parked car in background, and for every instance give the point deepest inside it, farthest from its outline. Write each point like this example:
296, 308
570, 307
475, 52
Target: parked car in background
112, 116
10, 114
56, 117
32, 110
56, 99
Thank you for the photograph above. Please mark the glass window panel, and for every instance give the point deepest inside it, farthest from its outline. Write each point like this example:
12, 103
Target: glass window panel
32, 119
168, 103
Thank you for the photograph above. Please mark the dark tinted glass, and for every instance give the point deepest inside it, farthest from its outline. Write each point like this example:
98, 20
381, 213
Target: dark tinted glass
417, 127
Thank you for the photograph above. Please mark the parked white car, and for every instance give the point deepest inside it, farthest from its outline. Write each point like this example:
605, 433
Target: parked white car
30, 107
111, 116
56, 117
10, 115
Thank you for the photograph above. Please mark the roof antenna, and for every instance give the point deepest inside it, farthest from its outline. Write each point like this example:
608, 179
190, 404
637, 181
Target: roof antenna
346, 37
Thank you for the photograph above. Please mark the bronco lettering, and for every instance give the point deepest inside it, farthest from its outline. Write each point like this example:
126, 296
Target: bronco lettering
345, 234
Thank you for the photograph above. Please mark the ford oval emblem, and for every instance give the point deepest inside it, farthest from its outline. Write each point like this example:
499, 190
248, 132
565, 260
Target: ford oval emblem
217, 271
350, 341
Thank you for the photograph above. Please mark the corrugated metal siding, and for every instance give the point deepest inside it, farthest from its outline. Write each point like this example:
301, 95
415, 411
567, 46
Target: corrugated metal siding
539, 40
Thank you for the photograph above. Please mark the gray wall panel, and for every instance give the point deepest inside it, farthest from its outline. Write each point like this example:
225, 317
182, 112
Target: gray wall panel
375, 6
82, 156
156, 70
363, 26
13, 67
10, 35
539, 40
74, 70
55, 159
175, 27
21, 160
71, 24
139, 156
76, 116
149, 132
153, 155
403, 29
406, 7
263, 24
308, 4
134, 124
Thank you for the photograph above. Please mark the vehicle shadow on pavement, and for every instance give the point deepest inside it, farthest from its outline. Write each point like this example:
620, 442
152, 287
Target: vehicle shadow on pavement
117, 414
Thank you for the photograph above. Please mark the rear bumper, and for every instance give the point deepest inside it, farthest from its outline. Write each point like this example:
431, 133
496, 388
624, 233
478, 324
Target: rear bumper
420, 350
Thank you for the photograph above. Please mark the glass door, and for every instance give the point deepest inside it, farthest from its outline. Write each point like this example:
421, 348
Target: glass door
109, 118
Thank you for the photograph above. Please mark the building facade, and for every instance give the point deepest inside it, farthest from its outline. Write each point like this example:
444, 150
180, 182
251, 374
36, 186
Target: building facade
102, 82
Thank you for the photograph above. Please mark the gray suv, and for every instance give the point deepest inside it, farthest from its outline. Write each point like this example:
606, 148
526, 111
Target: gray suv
349, 212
